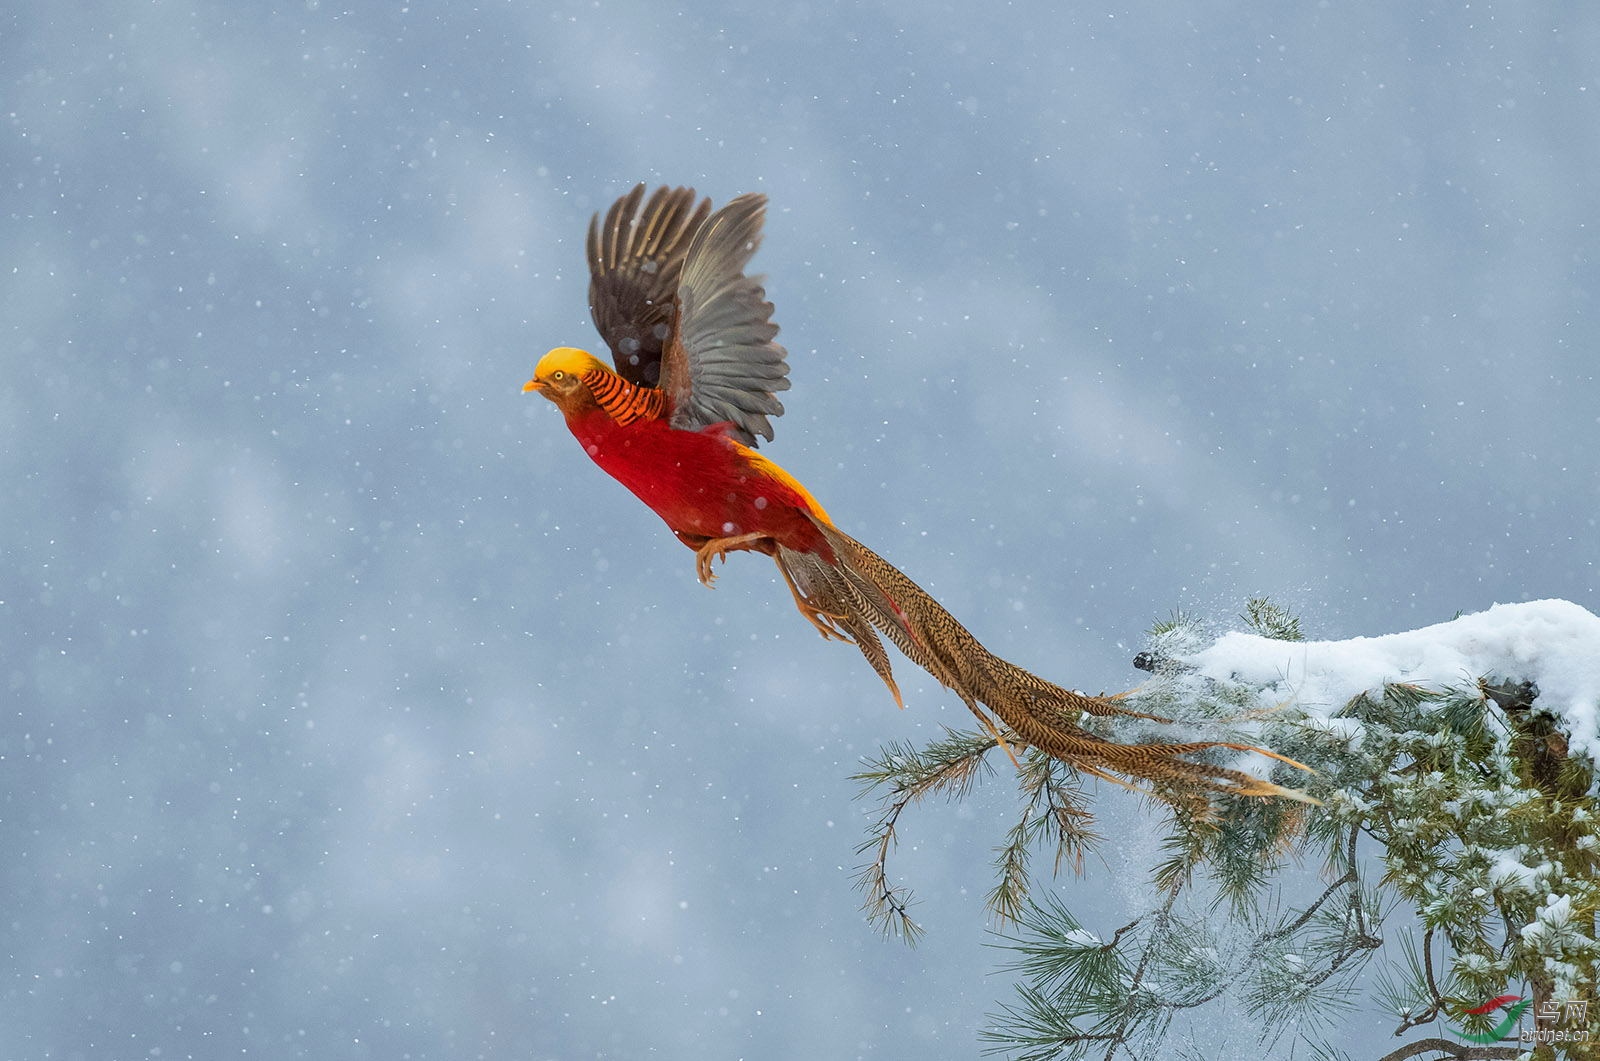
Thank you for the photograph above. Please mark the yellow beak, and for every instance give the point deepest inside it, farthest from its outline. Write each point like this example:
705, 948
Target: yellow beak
532, 385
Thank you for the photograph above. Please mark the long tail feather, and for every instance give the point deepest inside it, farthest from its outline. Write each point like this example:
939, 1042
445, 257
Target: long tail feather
861, 595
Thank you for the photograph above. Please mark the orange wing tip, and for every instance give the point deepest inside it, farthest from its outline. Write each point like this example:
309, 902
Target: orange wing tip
1000, 739
1268, 752
1269, 789
1005, 746
1286, 759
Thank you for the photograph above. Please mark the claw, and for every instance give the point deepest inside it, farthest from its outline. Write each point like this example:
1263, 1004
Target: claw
702, 568
718, 548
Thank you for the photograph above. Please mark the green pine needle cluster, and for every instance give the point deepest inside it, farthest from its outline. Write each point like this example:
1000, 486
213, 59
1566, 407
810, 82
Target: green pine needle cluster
1271, 620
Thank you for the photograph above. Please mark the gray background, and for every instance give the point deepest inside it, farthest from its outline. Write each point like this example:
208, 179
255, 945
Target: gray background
351, 713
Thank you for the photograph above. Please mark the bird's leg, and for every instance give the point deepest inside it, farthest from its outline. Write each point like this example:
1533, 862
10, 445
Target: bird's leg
693, 541
719, 547
824, 621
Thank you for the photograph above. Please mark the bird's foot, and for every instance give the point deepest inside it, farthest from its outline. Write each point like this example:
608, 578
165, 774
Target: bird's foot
719, 548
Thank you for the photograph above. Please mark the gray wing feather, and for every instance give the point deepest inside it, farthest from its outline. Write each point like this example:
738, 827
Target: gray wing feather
721, 363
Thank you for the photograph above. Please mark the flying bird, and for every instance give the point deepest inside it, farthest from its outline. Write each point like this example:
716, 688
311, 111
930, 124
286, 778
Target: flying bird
675, 418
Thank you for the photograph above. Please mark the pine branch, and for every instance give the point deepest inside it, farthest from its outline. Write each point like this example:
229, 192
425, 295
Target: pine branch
1126, 1019
1040, 1029
1061, 959
888, 906
1450, 1050
950, 765
1052, 805
1436, 1002
1350, 877
1010, 892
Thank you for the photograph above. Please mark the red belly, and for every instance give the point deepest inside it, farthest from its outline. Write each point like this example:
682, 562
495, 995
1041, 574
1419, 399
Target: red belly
699, 482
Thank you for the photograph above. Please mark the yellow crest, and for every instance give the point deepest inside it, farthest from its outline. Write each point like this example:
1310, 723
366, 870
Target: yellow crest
568, 360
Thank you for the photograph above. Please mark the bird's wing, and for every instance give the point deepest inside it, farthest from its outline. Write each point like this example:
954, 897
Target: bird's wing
635, 258
720, 363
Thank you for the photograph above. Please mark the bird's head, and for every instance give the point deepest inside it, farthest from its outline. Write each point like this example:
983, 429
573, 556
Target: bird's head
559, 376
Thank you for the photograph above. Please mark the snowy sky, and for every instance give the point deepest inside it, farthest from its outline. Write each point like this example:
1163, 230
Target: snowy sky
353, 714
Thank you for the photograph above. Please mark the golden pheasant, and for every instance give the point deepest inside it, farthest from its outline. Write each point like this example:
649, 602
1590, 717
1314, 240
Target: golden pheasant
696, 378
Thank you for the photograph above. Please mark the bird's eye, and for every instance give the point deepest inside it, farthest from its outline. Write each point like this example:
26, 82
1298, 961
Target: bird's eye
558, 374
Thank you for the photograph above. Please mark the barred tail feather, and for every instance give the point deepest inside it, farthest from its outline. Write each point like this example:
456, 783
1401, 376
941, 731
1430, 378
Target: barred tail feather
859, 595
